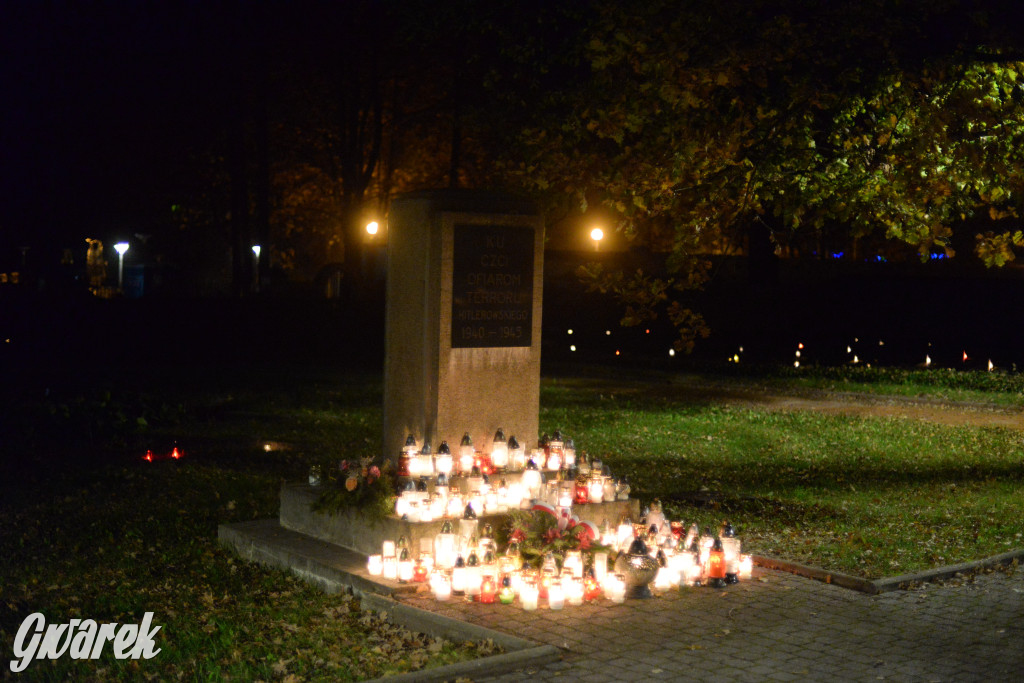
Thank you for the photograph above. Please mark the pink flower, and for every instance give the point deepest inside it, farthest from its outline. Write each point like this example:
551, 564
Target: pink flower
343, 466
374, 471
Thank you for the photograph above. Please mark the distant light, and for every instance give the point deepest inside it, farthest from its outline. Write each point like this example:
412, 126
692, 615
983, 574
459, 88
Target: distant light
597, 234
797, 354
256, 250
671, 352
736, 358
990, 366
796, 364
570, 332
856, 360
616, 352
647, 331
608, 333
881, 343
800, 345
372, 227
572, 347
965, 356
849, 350
121, 247
741, 349
927, 361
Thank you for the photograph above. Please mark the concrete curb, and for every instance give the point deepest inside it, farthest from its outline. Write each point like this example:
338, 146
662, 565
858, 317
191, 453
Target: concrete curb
842, 580
884, 585
333, 568
896, 582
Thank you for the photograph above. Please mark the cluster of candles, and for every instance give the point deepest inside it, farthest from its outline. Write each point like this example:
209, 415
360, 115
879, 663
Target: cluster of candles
459, 564
442, 484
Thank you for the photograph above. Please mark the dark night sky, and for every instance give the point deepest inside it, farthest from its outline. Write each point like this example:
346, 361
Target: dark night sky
99, 102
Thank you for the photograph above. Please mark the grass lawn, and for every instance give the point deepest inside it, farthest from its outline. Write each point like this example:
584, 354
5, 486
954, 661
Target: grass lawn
89, 530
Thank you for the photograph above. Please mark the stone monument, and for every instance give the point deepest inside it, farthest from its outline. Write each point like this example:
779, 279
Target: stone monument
463, 322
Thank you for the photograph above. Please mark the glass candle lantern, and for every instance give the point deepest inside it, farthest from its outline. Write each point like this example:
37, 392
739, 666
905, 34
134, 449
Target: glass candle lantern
581, 491
528, 596
716, 564
390, 567
574, 563
731, 547
574, 592
609, 489
473, 574
622, 489
499, 451
445, 546
375, 565
441, 586
468, 524
516, 454
746, 567
506, 594
554, 460
556, 596
615, 588
405, 566
425, 462
600, 567
443, 460
596, 489
459, 576
474, 482
466, 452
410, 448
569, 453
488, 589
454, 508
531, 479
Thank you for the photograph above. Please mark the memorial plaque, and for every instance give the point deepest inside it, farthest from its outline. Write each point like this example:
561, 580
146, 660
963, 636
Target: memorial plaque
492, 286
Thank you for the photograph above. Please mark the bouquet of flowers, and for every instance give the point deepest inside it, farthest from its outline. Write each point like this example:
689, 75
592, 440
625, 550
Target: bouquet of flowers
362, 485
541, 531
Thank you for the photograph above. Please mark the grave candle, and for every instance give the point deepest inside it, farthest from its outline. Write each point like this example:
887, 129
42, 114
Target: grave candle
615, 589
528, 596
443, 461
600, 567
473, 576
574, 563
569, 453
499, 451
466, 453
375, 565
556, 596
574, 592
731, 547
746, 566
488, 589
390, 570
596, 487
506, 594
516, 454
459, 576
405, 567
442, 587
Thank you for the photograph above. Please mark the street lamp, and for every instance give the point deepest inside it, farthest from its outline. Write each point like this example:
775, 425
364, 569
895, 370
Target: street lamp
372, 227
256, 267
597, 234
120, 248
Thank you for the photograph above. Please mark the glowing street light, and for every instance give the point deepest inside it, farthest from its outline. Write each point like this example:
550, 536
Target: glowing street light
372, 227
120, 248
597, 234
256, 249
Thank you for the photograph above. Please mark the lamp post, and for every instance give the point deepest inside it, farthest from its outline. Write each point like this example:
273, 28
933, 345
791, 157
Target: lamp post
256, 249
120, 248
597, 234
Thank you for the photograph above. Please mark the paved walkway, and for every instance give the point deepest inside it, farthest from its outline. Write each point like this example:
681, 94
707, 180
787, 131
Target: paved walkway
776, 627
